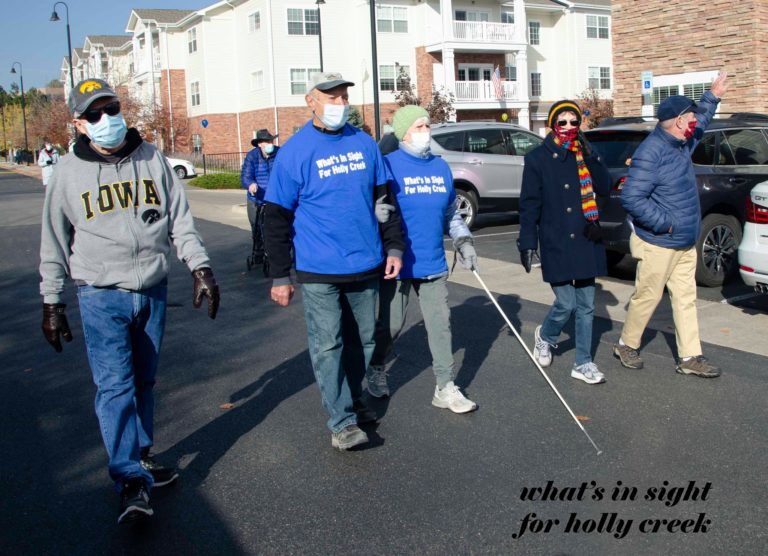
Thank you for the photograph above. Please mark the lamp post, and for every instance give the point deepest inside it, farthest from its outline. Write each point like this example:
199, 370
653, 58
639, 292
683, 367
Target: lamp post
319, 3
23, 105
55, 17
375, 62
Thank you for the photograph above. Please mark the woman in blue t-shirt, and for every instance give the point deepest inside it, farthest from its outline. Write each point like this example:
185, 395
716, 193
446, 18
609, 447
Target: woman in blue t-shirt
423, 187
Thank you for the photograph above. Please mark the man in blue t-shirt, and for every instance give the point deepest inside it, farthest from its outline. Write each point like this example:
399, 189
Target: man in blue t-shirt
321, 200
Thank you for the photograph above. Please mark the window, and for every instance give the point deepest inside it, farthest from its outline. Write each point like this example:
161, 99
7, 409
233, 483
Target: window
660, 93
104, 67
254, 22
533, 32
508, 17
394, 78
535, 84
597, 26
299, 78
485, 141
520, 143
303, 22
748, 146
510, 72
197, 143
453, 141
192, 40
695, 90
194, 90
705, 151
599, 77
391, 19
464, 15
257, 80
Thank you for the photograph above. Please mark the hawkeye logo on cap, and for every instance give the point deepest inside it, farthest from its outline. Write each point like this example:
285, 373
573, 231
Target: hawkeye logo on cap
89, 87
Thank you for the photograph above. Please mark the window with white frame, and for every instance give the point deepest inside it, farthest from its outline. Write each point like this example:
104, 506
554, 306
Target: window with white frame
254, 22
510, 72
599, 77
507, 17
194, 93
394, 78
197, 143
597, 27
257, 80
391, 19
695, 90
534, 32
192, 40
303, 21
299, 78
536, 84
466, 15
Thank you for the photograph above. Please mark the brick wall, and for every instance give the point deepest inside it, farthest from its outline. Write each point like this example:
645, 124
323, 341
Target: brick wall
688, 36
178, 105
220, 136
424, 76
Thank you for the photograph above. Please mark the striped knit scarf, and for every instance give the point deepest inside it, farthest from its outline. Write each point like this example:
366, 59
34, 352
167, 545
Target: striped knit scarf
588, 203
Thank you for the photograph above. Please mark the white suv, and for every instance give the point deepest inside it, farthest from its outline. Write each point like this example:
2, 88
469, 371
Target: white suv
753, 250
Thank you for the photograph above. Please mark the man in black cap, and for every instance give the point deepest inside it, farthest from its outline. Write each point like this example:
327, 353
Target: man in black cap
662, 201
254, 177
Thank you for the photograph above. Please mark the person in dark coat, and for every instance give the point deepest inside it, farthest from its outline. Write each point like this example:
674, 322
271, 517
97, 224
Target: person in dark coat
558, 212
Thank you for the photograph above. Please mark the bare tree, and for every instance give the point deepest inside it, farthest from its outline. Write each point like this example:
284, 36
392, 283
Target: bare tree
594, 107
405, 93
440, 107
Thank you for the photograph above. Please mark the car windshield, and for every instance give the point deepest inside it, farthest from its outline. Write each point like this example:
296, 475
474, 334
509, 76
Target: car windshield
616, 147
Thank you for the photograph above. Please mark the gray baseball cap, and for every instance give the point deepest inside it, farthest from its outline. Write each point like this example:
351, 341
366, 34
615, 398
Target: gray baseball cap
85, 92
326, 80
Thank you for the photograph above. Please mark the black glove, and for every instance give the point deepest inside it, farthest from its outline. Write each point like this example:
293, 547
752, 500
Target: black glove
204, 284
55, 325
49, 162
526, 258
593, 231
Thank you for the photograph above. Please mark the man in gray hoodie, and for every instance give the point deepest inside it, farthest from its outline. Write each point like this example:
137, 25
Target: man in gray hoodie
112, 211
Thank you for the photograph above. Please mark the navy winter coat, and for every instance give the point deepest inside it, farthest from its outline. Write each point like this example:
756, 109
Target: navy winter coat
551, 215
661, 191
256, 169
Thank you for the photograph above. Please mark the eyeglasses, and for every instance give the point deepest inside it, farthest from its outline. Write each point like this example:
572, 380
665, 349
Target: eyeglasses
574, 123
93, 115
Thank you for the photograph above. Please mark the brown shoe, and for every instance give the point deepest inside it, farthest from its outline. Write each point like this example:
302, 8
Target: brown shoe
628, 356
698, 366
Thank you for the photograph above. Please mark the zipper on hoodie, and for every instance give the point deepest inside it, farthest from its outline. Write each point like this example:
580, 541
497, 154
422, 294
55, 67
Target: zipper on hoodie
139, 281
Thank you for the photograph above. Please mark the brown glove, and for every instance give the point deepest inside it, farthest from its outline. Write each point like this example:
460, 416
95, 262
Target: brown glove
204, 284
55, 325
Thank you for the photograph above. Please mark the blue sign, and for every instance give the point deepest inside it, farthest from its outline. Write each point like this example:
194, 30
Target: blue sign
646, 84
205, 123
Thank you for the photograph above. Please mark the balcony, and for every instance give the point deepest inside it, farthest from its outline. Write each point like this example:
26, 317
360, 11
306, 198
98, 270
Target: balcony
484, 91
483, 31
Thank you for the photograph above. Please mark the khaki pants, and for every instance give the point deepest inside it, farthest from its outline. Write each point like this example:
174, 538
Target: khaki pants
658, 267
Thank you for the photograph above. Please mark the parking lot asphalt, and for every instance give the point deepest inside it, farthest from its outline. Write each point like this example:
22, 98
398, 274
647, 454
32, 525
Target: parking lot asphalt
683, 468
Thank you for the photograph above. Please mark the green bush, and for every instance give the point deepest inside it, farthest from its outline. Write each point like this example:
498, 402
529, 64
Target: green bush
217, 181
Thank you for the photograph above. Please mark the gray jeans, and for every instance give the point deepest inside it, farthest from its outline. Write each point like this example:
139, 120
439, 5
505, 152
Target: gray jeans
433, 300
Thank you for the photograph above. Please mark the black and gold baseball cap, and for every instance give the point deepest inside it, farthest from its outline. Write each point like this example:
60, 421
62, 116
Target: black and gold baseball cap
85, 92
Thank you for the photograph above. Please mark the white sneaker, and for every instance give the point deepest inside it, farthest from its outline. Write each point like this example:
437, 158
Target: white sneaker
588, 372
542, 351
377, 381
451, 398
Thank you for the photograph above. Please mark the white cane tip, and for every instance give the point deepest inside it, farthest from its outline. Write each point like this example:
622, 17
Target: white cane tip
599, 452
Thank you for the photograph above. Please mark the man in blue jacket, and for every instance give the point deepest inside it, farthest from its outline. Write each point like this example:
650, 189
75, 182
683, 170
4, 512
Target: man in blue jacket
254, 177
662, 201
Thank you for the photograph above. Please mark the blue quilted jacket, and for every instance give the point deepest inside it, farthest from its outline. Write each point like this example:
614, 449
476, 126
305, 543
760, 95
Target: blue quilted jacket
256, 169
660, 191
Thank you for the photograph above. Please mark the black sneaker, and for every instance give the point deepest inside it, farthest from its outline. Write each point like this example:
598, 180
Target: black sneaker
161, 474
364, 413
134, 502
698, 366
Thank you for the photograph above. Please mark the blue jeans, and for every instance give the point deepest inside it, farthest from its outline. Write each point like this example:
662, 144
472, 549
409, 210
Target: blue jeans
572, 297
123, 332
340, 323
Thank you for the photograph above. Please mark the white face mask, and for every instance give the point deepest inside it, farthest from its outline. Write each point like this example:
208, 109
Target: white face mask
420, 141
335, 116
269, 148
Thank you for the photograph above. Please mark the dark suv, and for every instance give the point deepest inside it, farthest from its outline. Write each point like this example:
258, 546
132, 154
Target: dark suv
730, 160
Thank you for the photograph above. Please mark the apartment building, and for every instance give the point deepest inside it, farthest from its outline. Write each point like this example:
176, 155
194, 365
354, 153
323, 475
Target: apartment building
104, 57
684, 45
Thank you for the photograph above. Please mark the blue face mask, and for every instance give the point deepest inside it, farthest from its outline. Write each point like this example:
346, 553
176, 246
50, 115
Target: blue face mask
269, 148
108, 132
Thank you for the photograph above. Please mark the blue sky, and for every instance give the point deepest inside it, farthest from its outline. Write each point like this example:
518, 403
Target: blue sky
27, 35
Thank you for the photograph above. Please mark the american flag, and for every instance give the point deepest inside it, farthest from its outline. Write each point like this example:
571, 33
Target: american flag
497, 86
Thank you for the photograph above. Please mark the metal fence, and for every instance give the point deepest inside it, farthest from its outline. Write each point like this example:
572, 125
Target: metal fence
223, 163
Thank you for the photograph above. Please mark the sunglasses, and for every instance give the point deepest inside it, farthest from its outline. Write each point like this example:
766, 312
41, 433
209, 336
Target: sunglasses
574, 123
93, 115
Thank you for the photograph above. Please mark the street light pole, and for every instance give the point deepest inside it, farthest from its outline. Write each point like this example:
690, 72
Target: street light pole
320, 31
375, 62
55, 17
23, 106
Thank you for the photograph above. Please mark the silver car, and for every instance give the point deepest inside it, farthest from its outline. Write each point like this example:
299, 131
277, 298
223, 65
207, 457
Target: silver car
486, 159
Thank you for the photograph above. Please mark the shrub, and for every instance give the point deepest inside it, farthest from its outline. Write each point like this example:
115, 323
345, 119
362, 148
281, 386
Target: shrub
217, 181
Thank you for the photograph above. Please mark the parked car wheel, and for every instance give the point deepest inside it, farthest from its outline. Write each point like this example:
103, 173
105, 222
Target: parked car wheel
613, 258
181, 172
466, 202
717, 249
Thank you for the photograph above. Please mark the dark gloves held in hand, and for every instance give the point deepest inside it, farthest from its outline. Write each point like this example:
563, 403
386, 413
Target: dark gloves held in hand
205, 285
526, 258
49, 162
593, 231
55, 325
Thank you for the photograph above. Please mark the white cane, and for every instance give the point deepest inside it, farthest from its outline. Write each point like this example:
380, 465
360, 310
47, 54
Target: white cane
522, 343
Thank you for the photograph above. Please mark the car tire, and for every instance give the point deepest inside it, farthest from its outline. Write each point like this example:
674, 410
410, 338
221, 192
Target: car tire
180, 172
466, 203
613, 258
717, 250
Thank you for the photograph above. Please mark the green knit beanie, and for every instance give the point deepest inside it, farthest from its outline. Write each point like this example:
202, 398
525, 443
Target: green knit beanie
404, 118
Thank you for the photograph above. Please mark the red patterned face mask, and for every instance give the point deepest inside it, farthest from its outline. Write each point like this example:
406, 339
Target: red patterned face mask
691, 129
566, 135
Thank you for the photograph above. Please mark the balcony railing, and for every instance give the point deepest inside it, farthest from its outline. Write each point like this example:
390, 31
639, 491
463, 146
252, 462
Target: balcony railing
483, 31
484, 91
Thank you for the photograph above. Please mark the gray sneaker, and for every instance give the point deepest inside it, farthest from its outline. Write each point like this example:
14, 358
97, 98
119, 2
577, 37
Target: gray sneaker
542, 351
348, 437
377, 381
628, 356
588, 372
698, 366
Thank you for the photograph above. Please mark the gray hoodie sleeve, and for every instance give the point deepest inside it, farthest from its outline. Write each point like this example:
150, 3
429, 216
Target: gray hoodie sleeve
55, 240
181, 227
455, 226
